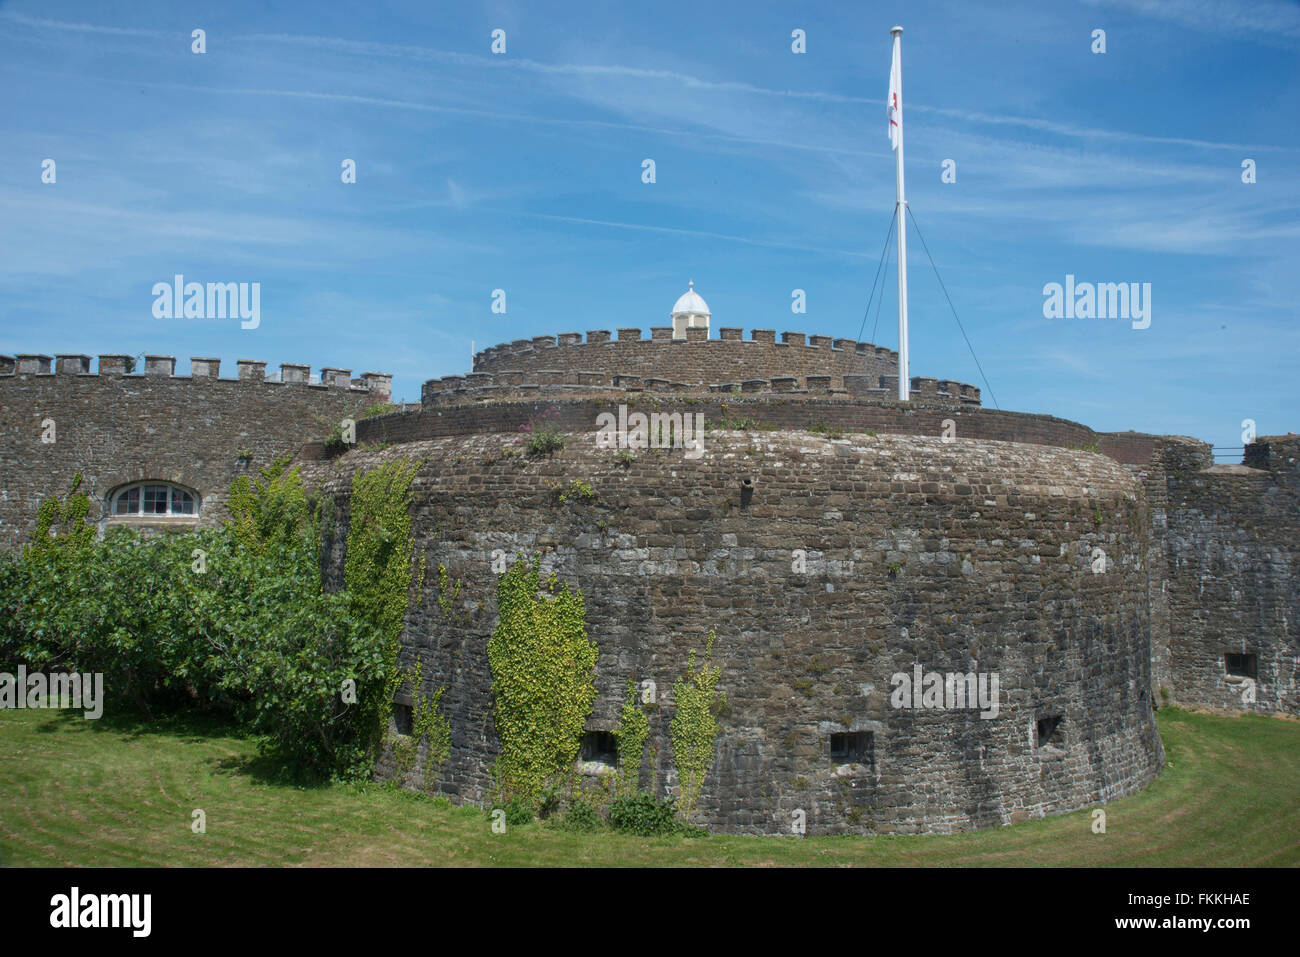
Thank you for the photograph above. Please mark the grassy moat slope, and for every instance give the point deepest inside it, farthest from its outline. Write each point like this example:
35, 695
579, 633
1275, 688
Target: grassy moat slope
114, 792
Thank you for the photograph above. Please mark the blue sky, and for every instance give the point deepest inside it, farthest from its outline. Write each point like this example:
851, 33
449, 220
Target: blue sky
522, 171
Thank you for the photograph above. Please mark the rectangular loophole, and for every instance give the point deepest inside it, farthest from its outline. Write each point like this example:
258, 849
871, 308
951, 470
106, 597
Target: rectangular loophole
853, 747
1241, 666
1050, 730
402, 717
600, 747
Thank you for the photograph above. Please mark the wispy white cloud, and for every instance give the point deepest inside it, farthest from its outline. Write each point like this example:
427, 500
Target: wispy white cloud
1170, 9
44, 23
1090, 133
60, 236
697, 84
586, 70
691, 138
1268, 21
694, 233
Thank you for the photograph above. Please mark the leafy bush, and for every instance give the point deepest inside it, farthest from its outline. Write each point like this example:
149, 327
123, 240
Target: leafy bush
544, 441
334, 443
830, 431
550, 802
231, 620
581, 817
541, 434
576, 489
643, 815
518, 812
252, 635
270, 513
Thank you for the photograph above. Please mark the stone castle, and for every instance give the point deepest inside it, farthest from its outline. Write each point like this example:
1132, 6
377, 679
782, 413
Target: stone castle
833, 538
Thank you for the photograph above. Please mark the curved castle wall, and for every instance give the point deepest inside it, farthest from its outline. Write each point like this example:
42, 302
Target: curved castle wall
954, 557
576, 408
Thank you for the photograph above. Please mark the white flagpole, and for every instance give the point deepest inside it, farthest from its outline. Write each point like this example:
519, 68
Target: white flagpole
904, 377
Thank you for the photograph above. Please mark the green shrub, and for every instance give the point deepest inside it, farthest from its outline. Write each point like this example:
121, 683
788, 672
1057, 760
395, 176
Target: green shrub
518, 812
576, 489
550, 802
334, 443
643, 815
541, 433
544, 441
271, 513
581, 816
230, 620
830, 431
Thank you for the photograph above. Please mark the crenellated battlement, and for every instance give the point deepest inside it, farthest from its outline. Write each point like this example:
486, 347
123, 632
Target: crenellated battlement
66, 416
696, 359
797, 364
201, 369
512, 384
599, 337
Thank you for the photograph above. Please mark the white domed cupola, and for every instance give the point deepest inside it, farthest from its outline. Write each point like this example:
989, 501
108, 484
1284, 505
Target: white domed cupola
689, 312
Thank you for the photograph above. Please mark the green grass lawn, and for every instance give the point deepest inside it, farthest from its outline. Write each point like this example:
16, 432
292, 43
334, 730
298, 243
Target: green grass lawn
113, 792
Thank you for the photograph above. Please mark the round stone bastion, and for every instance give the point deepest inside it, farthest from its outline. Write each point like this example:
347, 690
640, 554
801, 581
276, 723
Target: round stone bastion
835, 571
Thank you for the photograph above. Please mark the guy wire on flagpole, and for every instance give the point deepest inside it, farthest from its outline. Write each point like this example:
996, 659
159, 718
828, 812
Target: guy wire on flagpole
875, 323
926, 247
894, 109
883, 251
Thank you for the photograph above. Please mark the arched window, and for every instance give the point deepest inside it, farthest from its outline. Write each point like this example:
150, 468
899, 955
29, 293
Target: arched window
147, 499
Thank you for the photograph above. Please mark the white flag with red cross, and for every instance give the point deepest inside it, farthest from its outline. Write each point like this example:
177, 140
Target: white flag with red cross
895, 103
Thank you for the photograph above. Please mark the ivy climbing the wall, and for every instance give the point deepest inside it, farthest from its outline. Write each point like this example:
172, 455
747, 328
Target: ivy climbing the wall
271, 513
630, 735
378, 572
448, 594
694, 728
61, 523
543, 680
426, 722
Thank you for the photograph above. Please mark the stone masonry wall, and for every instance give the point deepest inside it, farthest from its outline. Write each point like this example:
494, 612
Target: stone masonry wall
114, 428
1230, 555
963, 556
